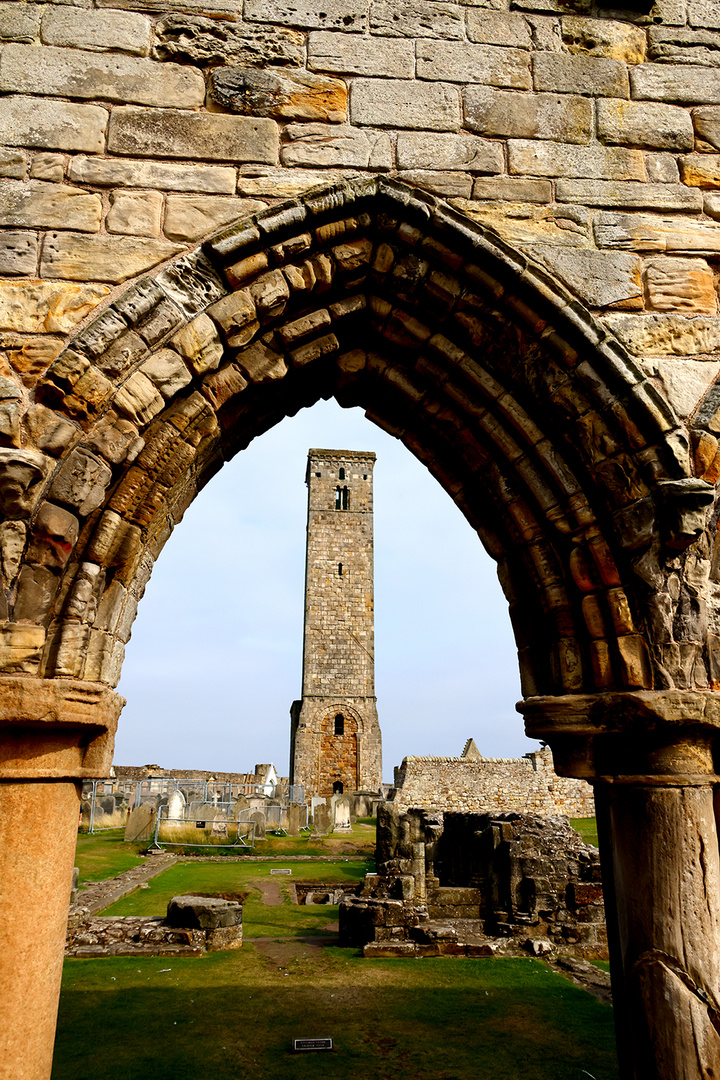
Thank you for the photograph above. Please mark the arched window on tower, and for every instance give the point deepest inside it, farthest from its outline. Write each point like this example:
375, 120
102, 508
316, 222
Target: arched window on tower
339, 724
341, 498
341, 474
338, 787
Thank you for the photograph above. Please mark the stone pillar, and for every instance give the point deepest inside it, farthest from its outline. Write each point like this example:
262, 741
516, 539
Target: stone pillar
649, 756
54, 733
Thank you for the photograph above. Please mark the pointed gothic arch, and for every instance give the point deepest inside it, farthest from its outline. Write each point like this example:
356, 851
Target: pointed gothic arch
558, 449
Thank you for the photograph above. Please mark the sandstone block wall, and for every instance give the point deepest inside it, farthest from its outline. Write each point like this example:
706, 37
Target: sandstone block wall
586, 136
525, 785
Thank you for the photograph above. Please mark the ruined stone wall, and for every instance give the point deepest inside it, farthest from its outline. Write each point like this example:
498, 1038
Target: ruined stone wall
525, 785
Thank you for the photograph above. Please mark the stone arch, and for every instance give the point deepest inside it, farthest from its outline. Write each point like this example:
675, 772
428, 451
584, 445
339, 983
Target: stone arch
562, 454
337, 754
557, 448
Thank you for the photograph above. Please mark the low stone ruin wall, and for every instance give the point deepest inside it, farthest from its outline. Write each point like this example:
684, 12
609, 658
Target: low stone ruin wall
193, 925
477, 884
526, 785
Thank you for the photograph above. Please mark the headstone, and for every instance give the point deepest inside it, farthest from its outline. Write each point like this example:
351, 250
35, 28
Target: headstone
85, 814
241, 803
140, 823
321, 819
258, 818
205, 812
108, 805
175, 808
220, 825
316, 800
294, 819
341, 813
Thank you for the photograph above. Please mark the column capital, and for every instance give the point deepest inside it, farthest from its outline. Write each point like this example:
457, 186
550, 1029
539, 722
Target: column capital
56, 729
645, 737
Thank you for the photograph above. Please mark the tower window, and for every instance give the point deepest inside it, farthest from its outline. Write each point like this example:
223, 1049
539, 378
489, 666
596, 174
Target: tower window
339, 569
341, 498
338, 787
340, 726
341, 474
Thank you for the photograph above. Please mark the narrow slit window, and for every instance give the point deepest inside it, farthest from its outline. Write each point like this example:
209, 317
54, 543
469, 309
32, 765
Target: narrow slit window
341, 474
341, 498
339, 724
340, 569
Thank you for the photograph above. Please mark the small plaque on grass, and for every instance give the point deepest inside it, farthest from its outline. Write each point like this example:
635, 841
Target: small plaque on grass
312, 1044
281, 871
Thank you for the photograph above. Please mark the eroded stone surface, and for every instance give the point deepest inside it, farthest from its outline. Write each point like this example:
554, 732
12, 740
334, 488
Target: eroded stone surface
207, 136
292, 95
102, 258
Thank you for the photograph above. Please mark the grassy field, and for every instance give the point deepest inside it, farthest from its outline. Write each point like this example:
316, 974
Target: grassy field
587, 827
267, 911
104, 855
228, 1014
231, 1014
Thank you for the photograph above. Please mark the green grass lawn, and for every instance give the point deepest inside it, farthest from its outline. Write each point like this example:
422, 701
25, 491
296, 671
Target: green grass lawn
260, 919
587, 827
233, 1014
226, 1015
104, 855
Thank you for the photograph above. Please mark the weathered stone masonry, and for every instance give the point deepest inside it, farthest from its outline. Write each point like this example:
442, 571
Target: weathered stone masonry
335, 742
513, 269
526, 785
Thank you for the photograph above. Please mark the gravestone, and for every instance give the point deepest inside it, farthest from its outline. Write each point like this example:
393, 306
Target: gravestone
140, 823
321, 819
85, 814
176, 807
295, 816
205, 812
108, 805
241, 803
220, 825
316, 800
341, 813
258, 818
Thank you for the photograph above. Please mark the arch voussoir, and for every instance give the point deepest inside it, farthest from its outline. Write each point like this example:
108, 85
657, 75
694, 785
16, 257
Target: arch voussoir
539, 425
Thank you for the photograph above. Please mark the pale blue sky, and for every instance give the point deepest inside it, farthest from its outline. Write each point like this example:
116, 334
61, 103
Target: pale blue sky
215, 657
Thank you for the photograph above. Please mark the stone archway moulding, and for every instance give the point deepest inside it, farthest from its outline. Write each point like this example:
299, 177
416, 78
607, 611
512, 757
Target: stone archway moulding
556, 446
578, 476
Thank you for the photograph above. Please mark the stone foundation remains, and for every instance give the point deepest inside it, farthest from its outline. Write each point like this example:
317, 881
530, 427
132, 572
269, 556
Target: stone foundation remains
487, 785
194, 925
475, 885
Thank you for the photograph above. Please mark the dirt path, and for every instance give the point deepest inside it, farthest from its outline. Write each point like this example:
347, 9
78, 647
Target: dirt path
270, 892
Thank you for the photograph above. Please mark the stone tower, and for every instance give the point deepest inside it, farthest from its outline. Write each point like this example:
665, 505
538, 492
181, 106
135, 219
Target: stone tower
335, 743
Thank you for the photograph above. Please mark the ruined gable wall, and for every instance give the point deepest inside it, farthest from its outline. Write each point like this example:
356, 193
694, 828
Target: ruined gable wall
524, 785
130, 130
